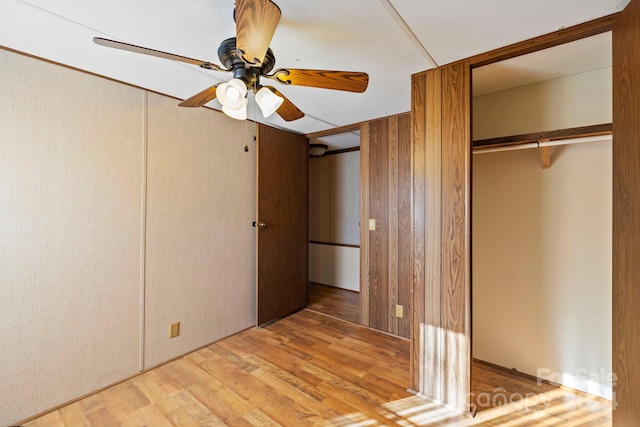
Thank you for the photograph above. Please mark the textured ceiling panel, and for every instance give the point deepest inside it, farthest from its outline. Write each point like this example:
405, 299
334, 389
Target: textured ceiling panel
581, 56
456, 29
385, 38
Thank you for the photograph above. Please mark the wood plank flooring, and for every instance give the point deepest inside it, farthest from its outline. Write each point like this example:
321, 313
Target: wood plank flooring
341, 303
306, 369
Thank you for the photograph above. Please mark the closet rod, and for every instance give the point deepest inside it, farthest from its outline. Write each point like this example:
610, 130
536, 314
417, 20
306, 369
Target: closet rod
567, 141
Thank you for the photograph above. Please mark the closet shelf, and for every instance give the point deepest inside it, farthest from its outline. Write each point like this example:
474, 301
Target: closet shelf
569, 133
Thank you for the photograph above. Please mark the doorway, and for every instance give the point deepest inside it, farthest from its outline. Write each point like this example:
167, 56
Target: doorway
541, 225
334, 225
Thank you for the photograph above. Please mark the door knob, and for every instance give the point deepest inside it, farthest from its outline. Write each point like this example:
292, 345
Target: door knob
259, 224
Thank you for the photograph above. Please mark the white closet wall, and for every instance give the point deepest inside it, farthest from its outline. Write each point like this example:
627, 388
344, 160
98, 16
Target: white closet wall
334, 216
542, 237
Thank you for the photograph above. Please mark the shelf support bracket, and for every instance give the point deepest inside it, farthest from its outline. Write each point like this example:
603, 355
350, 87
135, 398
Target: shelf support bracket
546, 154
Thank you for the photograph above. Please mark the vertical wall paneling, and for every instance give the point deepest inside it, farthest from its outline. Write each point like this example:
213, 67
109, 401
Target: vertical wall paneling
456, 152
386, 198
432, 234
428, 230
379, 210
418, 323
441, 191
143, 226
405, 250
392, 280
626, 215
364, 224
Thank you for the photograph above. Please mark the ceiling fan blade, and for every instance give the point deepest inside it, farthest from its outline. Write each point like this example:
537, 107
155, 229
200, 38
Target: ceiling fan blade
288, 111
256, 22
201, 98
157, 53
337, 80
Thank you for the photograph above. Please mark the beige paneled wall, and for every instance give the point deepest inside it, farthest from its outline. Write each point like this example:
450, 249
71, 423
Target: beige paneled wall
333, 265
72, 204
200, 265
70, 243
334, 215
555, 104
542, 238
542, 263
334, 198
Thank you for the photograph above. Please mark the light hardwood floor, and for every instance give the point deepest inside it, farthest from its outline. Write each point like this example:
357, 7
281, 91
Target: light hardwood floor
341, 303
307, 369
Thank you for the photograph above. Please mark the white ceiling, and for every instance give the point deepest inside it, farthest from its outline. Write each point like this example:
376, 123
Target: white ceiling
389, 39
339, 141
581, 56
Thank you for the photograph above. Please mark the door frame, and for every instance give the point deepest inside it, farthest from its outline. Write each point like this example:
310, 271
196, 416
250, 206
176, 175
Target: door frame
426, 354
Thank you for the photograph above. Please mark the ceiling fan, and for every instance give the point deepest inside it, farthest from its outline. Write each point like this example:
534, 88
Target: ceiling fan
249, 58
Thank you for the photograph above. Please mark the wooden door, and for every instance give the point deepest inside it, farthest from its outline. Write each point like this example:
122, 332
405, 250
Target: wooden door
282, 206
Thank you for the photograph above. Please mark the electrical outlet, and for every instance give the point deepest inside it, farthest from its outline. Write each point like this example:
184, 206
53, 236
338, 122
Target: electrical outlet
372, 224
399, 311
174, 330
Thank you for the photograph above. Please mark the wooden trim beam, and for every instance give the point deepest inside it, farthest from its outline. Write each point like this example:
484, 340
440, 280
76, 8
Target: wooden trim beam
354, 127
346, 245
562, 36
341, 151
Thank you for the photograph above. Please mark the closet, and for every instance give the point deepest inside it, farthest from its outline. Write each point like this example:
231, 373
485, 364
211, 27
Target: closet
541, 222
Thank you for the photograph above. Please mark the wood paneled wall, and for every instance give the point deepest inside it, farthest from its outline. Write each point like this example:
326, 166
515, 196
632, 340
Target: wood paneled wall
441, 147
441, 332
626, 215
385, 166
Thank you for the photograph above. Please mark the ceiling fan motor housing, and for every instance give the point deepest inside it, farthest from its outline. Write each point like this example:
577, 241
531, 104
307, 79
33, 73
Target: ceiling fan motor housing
231, 58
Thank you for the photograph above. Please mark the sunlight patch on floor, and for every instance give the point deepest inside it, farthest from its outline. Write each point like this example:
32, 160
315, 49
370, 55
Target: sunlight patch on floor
553, 408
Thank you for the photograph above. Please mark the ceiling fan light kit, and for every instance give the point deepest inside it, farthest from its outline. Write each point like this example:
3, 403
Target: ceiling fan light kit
249, 57
232, 94
239, 113
268, 101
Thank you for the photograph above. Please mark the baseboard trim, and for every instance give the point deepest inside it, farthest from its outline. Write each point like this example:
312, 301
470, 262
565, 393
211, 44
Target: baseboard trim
101, 389
515, 373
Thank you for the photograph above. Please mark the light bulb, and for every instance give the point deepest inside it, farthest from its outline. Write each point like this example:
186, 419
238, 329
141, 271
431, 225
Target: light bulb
239, 113
232, 94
